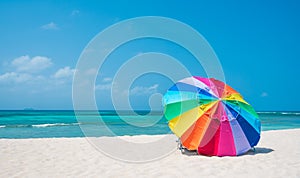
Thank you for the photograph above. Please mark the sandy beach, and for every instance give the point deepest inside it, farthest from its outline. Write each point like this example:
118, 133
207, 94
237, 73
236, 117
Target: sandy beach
276, 155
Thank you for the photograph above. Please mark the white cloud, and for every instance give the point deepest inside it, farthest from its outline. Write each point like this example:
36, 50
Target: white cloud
139, 54
140, 90
15, 77
31, 65
264, 94
50, 26
117, 19
64, 72
103, 86
28, 74
91, 72
75, 12
107, 79
24, 70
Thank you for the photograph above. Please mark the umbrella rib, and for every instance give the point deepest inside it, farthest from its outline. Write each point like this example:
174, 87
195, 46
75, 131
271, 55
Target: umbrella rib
186, 123
243, 105
247, 120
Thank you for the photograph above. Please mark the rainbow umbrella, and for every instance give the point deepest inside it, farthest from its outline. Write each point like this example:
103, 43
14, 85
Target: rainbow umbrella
211, 117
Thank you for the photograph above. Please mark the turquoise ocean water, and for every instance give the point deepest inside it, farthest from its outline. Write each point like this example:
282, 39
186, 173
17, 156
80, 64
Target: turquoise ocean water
48, 124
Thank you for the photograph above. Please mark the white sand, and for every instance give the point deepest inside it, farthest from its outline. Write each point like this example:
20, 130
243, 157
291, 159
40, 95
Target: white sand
277, 155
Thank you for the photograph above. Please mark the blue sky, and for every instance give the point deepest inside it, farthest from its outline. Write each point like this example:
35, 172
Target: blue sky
257, 43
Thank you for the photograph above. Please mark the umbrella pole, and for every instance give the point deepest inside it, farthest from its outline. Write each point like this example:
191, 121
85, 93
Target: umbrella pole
179, 145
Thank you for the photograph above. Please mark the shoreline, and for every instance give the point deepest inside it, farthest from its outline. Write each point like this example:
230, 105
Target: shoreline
125, 135
277, 155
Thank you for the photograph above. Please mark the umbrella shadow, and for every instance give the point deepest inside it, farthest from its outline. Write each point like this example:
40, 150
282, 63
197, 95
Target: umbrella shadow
257, 150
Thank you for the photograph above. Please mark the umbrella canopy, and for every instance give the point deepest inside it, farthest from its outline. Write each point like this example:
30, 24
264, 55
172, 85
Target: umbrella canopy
211, 117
